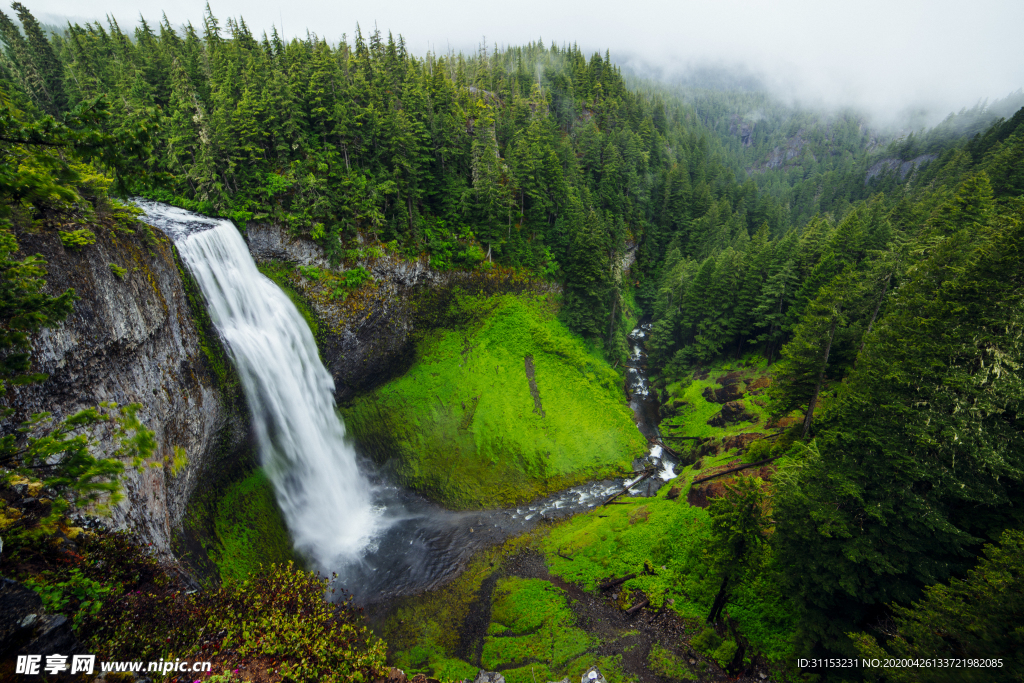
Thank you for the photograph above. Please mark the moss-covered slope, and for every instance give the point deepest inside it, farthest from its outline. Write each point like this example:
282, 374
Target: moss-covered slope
508, 408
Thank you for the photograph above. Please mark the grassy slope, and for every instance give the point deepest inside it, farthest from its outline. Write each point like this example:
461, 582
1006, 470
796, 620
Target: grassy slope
464, 424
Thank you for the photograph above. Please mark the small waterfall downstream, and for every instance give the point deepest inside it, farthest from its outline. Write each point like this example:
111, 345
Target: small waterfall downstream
327, 502
644, 404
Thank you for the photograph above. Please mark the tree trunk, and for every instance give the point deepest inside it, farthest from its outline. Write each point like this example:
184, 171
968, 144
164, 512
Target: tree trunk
874, 316
719, 604
821, 377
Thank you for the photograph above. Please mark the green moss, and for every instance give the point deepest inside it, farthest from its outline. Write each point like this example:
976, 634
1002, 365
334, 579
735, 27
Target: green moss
464, 426
250, 528
668, 664
531, 623
665, 546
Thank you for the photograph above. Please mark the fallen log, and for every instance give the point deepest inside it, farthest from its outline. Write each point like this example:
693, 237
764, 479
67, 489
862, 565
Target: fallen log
638, 606
647, 474
734, 469
612, 583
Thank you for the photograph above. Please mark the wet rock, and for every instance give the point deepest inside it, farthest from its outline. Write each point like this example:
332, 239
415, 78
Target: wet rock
760, 383
592, 675
730, 378
25, 628
488, 677
729, 392
130, 340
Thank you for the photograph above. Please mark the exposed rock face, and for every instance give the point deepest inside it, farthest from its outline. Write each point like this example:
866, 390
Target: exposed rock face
130, 341
741, 440
26, 628
729, 392
733, 411
368, 335
897, 166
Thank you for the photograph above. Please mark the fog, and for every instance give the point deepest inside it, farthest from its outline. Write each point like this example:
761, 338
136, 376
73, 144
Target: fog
884, 57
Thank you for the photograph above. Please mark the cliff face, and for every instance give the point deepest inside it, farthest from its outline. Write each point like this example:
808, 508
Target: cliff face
366, 338
131, 340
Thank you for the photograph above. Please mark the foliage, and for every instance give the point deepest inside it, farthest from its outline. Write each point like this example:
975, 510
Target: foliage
118, 271
76, 239
977, 618
918, 456
125, 605
75, 593
666, 663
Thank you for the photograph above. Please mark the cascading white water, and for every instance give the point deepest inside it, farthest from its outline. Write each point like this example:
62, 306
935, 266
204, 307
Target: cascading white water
327, 502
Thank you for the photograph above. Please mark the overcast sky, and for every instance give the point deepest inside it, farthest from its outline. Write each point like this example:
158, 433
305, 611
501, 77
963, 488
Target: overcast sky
885, 56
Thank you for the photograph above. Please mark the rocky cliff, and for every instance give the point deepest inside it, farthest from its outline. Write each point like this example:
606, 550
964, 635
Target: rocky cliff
133, 339
366, 337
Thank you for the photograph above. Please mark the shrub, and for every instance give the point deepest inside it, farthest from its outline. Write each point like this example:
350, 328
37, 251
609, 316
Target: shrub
76, 239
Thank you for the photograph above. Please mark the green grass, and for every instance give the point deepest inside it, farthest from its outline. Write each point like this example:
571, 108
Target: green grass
250, 528
661, 540
464, 425
692, 420
668, 664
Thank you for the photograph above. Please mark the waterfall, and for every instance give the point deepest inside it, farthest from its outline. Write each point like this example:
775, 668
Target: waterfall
327, 502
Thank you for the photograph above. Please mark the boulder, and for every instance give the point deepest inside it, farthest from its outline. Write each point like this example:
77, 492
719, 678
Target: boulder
489, 677
26, 629
592, 675
730, 378
729, 392
733, 411
741, 440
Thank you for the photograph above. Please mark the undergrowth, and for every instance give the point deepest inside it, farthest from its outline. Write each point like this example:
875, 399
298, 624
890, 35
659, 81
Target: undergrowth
275, 625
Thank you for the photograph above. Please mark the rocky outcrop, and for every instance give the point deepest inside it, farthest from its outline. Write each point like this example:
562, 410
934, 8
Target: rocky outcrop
733, 411
730, 392
365, 337
897, 167
26, 628
131, 339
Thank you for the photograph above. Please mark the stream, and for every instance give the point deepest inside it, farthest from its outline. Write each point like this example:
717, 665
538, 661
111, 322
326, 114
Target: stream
381, 539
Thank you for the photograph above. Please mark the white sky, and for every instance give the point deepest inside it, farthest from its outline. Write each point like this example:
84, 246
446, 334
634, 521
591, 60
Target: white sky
883, 56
